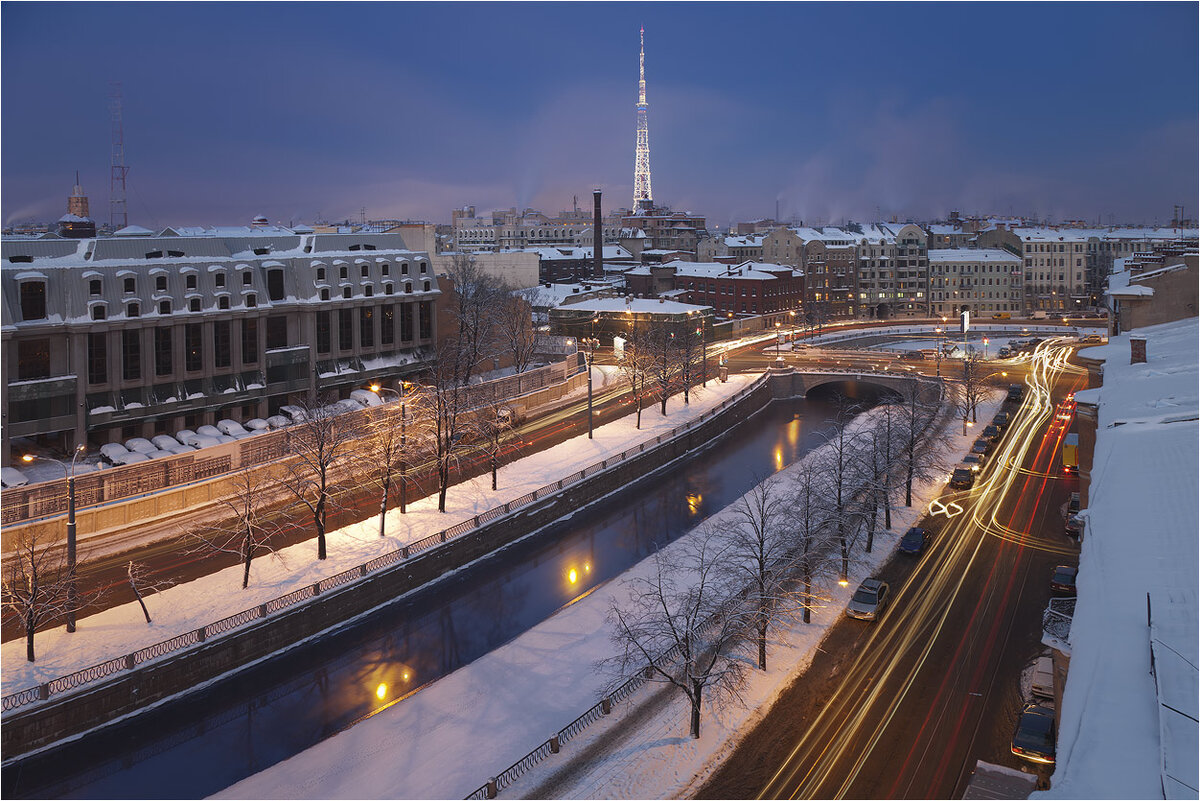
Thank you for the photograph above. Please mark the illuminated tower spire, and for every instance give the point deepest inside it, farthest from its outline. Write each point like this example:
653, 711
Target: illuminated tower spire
642, 197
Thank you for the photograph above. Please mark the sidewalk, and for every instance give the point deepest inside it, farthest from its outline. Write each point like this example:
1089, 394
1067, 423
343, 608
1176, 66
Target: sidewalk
448, 739
120, 630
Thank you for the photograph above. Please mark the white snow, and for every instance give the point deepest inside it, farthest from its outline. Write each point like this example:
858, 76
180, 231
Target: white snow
121, 630
1140, 545
447, 739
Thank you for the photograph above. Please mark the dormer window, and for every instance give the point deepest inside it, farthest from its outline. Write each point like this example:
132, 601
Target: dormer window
130, 286
220, 279
99, 312
160, 283
346, 292
320, 273
251, 300
324, 294
366, 271
33, 300
191, 281
369, 290
247, 278
343, 273
387, 268
223, 302
133, 310
194, 304
164, 307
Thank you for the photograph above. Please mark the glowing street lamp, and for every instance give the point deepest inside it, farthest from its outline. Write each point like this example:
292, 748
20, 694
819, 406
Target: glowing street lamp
72, 590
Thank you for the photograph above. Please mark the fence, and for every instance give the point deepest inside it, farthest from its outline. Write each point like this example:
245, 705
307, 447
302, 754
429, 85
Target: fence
200, 635
47, 499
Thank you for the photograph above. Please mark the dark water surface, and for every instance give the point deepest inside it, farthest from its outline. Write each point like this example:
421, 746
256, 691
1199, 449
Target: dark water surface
234, 728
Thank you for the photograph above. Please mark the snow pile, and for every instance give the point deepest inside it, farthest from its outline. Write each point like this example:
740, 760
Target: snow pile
1140, 548
447, 739
121, 630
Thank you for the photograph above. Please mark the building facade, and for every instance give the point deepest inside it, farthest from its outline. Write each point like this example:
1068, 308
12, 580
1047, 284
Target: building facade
742, 290
977, 280
106, 339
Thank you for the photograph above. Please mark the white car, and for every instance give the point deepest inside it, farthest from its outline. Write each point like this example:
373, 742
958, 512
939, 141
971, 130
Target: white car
869, 600
232, 428
278, 421
257, 425
365, 397
114, 452
140, 445
12, 477
214, 433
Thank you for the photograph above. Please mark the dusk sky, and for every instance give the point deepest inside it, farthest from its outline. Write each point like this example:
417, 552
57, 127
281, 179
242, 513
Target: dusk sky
302, 111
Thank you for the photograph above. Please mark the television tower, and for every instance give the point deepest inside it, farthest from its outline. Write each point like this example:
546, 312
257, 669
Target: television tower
118, 213
642, 198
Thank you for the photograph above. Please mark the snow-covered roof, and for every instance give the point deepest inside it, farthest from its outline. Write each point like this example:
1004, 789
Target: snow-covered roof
973, 255
570, 252
636, 306
1121, 734
133, 230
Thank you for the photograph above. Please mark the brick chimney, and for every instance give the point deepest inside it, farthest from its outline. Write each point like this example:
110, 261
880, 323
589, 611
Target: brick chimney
1137, 350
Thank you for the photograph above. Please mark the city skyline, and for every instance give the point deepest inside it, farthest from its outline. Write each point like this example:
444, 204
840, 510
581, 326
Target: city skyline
830, 111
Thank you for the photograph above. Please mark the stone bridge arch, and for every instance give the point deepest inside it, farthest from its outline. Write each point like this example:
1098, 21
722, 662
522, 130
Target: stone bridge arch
791, 383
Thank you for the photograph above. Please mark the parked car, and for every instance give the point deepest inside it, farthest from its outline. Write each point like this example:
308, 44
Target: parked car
11, 477
1004, 352
1063, 579
1074, 527
214, 433
166, 442
973, 461
140, 445
117, 453
1043, 678
1034, 739
982, 447
869, 600
1016, 392
257, 425
1073, 504
990, 432
232, 428
913, 355
961, 478
1000, 421
914, 540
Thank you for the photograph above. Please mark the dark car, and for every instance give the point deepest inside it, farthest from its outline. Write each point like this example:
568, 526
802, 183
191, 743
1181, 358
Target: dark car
913, 355
990, 432
982, 447
1016, 392
1073, 504
914, 540
961, 478
1074, 527
869, 600
1000, 421
973, 461
1034, 739
1063, 579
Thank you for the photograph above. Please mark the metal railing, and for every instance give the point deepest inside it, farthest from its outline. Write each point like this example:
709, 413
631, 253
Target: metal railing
199, 636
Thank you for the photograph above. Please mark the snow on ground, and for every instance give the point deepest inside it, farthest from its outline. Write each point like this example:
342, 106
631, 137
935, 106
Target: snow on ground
121, 630
445, 741
1140, 545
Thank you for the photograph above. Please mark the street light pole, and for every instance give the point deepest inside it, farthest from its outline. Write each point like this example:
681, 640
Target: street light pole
72, 589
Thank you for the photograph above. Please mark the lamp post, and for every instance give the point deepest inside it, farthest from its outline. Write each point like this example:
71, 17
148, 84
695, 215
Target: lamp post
72, 590
589, 351
938, 353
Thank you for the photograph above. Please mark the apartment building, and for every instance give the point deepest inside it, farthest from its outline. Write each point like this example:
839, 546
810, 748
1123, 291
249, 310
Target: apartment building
510, 230
742, 290
112, 338
977, 280
730, 249
668, 230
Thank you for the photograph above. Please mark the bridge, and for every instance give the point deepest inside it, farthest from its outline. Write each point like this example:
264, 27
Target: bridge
790, 382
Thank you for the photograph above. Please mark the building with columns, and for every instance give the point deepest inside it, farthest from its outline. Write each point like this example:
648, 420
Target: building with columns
107, 339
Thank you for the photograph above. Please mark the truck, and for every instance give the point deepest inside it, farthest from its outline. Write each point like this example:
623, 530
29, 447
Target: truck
1070, 453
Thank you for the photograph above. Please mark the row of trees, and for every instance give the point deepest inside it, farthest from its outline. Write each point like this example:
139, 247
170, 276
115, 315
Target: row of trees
662, 358
712, 599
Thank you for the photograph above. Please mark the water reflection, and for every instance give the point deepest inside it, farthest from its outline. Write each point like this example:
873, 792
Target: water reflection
266, 714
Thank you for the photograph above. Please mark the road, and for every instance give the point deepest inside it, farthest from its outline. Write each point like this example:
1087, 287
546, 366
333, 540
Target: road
902, 708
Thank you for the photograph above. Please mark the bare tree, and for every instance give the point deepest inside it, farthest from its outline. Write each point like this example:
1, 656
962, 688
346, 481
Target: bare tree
492, 425
474, 307
319, 445
635, 370
689, 351
35, 583
517, 334
811, 518
662, 361
143, 583
249, 518
918, 438
761, 550
395, 441
677, 624
840, 456
972, 389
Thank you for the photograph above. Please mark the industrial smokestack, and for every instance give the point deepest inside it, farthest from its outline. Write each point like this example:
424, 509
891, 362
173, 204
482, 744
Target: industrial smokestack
597, 238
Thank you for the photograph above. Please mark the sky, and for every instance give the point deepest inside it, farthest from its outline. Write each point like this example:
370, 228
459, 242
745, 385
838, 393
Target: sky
828, 112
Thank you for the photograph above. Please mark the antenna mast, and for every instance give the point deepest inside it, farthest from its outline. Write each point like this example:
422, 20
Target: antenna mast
118, 212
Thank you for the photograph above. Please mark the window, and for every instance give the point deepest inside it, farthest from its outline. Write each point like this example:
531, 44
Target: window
407, 287
130, 286
387, 289
277, 333
162, 351
366, 327
387, 325
406, 322
99, 312
164, 307
251, 301
194, 304
346, 292
191, 281
160, 283
33, 300
131, 355
365, 271
426, 320
33, 359
94, 287
247, 278
404, 268
193, 347
97, 359
133, 310
220, 279
426, 288
323, 339
387, 268
324, 294
345, 330
249, 341
275, 284
221, 344
320, 273
343, 274
369, 291
424, 267
223, 302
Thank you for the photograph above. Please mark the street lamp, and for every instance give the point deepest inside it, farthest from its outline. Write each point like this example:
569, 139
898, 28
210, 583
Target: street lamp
589, 345
72, 591
938, 353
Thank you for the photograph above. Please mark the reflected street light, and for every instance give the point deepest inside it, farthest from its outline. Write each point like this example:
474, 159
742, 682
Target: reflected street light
72, 590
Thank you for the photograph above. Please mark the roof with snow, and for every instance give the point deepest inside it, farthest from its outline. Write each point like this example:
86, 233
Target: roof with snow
637, 306
1128, 725
972, 255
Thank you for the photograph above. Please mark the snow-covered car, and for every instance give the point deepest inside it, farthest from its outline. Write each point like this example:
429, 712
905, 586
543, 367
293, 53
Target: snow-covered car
232, 428
159, 454
294, 412
365, 397
132, 457
140, 445
345, 405
256, 425
115, 452
12, 477
214, 433
166, 442
869, 600
201, 441
278, 421
186, 436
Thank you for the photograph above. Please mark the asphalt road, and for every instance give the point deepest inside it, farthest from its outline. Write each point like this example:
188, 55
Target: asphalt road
904, 706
